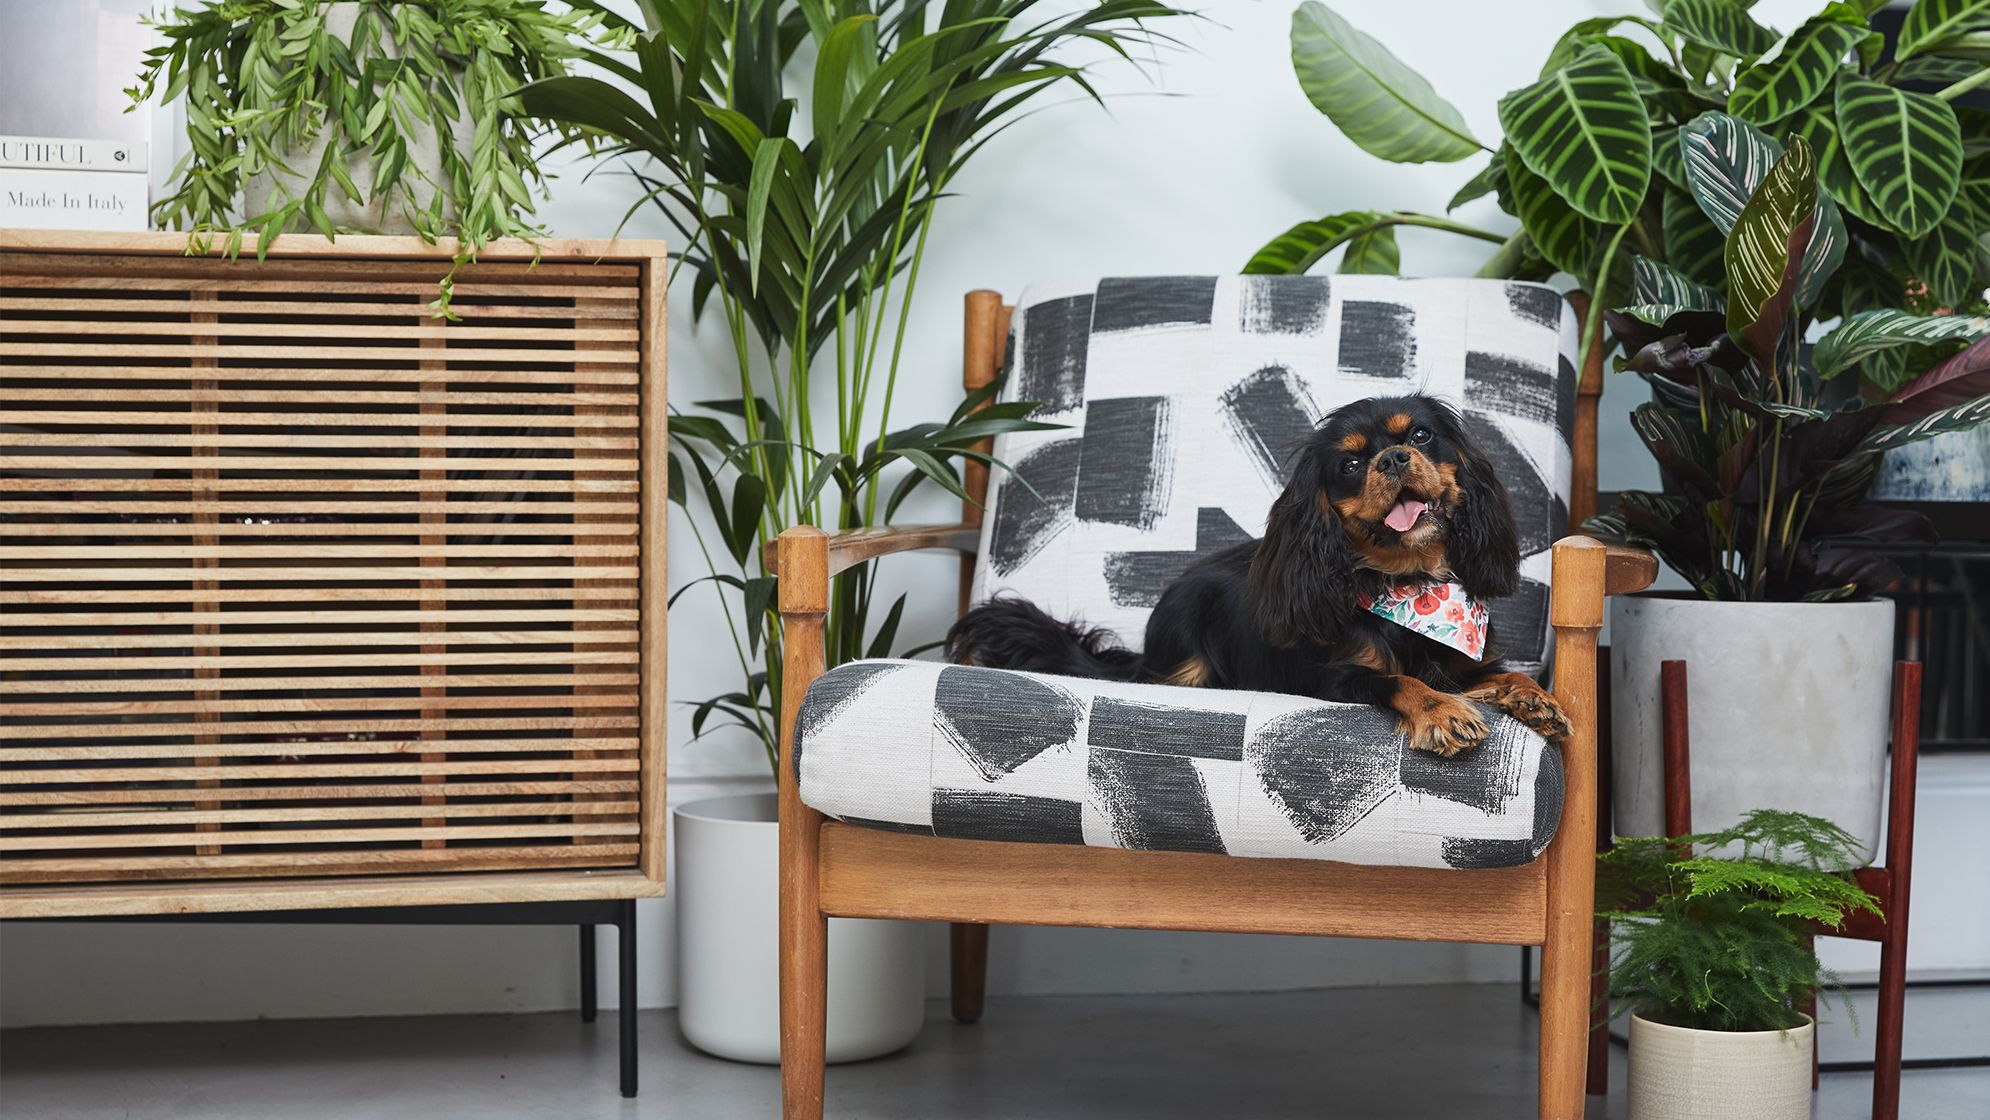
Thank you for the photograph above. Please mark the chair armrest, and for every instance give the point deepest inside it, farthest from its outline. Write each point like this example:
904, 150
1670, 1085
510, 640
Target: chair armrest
1627, 569
854, 546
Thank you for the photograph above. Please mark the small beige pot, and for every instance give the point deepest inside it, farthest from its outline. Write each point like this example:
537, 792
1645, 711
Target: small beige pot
1678, 1073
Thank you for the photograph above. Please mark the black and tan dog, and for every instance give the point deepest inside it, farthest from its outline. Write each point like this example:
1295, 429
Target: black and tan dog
1390, 501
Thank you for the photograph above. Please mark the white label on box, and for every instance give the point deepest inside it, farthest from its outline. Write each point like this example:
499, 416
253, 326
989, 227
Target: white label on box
34, 198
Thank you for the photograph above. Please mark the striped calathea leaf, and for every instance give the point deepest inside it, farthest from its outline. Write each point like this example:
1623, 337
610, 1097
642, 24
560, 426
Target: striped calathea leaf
1873, 332
1727, 159
1722, 26
1653, 282
1388, 109
1905, 148
1934, 26
1791, 79
1584, 130
1765, 252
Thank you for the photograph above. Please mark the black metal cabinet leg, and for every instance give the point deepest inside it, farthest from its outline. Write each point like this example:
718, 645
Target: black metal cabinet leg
588, 991
625, 921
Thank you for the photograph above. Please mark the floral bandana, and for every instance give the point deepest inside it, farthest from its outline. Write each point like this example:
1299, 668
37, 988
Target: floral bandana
1442, 612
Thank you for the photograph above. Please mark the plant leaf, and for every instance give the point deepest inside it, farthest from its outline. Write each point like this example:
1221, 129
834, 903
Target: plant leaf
1480, 184
1905, 148
1771, 90
1301, 247
1718, 25
1956, 418
1656, 283
1765, 251
1372, 251
1932, 23
1961, 378
1565, 238
1693, 244
1385, 107
1726, 161
759, 592
1818, 125
1871, 332
1946, 259
1583, 128
887, 631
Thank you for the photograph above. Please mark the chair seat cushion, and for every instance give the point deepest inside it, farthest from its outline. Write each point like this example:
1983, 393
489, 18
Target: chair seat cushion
990, 754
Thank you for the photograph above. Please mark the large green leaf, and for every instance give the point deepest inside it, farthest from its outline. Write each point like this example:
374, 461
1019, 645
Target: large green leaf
1905, 148
1372, 251
1818, 125
1583, 128
1726, 161
1946, 259
1933, 23
1565, 238
1718, 25
1765, 252
1773, 89
1479, 185
1301, 247
1376, 101
1693, 244
1867, 333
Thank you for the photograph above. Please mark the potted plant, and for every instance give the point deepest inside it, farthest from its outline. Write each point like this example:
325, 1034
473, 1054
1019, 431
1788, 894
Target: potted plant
1629, 165
1712, 958
357, 116
799, 149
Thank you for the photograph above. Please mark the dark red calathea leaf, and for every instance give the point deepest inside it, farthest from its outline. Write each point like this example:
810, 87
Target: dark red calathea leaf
1963, 377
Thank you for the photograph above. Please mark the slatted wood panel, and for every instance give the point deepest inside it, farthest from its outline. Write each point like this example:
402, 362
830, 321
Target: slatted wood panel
297, 580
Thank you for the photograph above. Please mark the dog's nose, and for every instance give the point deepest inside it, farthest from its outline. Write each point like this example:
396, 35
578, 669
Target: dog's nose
1394, 461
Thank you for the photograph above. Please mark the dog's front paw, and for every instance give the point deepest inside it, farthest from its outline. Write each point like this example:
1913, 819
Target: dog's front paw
1438, 722
1520, 697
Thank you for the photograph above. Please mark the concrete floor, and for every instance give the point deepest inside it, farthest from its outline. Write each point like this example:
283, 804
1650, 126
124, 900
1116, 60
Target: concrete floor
1397, 1053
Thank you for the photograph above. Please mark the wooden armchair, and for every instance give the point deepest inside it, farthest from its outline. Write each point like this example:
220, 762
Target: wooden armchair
830, 868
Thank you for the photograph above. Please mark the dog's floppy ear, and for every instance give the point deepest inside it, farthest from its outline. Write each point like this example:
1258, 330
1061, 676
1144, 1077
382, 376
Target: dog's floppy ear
1483, 549
1302, 576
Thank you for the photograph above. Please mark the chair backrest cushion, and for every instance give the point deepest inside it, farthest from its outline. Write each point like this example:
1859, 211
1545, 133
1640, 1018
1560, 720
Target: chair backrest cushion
1185, 396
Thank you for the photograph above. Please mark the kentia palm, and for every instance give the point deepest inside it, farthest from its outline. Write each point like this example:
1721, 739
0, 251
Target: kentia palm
804, 202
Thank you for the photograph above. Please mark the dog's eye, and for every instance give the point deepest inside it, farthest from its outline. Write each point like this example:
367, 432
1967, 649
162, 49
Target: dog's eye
1419, 435
1347, 466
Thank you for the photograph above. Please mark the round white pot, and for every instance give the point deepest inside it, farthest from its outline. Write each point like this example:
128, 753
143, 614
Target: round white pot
1787, 709
728, 946
273, 186
1678, 1073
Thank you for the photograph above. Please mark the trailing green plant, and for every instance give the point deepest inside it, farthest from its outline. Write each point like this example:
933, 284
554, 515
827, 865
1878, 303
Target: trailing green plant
1764, 472
1609, 152
803, 183
262, 81
1712, 931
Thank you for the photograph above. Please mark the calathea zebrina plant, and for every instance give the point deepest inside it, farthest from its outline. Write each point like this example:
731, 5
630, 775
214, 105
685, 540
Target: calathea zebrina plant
1761, 467
1594, 163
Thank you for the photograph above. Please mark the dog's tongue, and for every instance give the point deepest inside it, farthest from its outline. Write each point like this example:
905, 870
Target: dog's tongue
1403, 514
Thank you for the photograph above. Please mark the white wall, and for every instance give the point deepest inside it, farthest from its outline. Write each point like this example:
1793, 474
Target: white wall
1188, 172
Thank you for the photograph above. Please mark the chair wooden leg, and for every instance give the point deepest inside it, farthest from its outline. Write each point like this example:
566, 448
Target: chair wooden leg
970, 970
1567, 952
804, 592
1597, 1083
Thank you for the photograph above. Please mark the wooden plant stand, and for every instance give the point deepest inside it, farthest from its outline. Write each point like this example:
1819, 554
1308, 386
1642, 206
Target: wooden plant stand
1890, 883
314, 601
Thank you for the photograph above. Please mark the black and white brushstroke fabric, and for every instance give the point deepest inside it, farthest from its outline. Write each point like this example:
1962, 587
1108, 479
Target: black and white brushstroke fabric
1184, 398
991, 754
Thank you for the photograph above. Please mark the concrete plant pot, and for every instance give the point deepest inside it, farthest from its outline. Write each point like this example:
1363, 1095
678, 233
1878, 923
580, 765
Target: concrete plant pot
1787, 709
1678, 1073
728, 946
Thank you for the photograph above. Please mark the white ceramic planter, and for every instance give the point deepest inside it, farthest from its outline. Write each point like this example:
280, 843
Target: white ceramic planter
728, 946
273, 186
1787, 709
1682, 1074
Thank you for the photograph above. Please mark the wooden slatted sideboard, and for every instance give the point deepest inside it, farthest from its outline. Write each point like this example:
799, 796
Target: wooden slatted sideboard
311, 599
